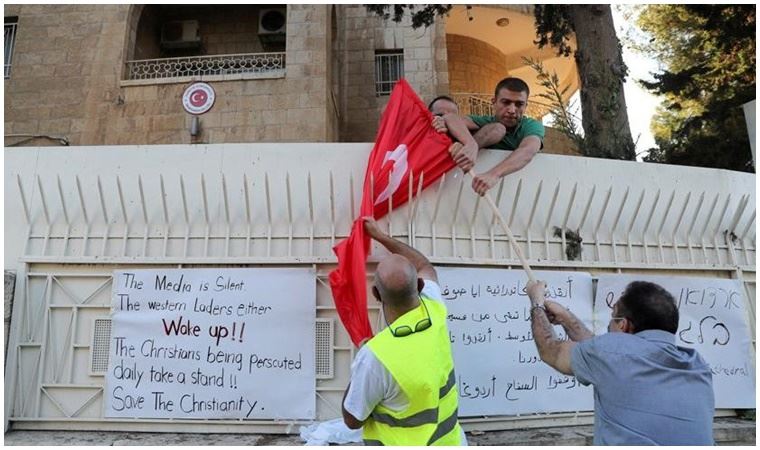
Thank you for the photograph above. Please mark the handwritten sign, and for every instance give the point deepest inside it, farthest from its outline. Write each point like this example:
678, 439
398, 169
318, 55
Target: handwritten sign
497, 363
212, 343
712, 319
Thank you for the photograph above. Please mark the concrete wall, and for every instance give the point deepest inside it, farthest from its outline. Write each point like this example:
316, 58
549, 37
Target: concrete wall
67, 80
474, 66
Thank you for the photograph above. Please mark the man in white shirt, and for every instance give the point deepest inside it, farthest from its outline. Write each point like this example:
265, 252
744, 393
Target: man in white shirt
402, 387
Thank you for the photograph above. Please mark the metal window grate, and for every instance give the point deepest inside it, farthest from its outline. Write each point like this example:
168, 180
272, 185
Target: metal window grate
10, 41
324, 355
389, 68
100, 349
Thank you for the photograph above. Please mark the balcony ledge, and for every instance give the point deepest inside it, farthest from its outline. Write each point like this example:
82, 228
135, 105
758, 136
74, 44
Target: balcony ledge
273, 74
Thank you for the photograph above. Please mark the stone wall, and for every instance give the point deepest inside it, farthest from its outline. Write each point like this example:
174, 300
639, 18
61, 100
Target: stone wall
361, 34
556, 143
66, 67
68, 75
474, 66
67, 81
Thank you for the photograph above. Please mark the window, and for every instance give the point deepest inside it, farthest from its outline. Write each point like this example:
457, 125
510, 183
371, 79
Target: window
10, 40
389, 68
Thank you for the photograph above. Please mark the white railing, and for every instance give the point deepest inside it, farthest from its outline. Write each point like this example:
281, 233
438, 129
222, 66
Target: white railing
479, 104
10, 41
262, 63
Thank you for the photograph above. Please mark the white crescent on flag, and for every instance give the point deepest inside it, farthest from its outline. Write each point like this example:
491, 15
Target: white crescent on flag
398, 171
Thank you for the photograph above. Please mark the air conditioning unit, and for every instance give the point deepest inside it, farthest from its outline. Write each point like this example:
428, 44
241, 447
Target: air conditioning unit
272, 21
180, 34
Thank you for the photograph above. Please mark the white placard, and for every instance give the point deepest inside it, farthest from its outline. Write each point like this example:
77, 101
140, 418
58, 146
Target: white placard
712, 319
497, 364
212, 343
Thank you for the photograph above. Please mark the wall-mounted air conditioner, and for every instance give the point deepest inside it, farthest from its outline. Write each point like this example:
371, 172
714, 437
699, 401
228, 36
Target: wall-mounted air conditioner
180, 34
272, 21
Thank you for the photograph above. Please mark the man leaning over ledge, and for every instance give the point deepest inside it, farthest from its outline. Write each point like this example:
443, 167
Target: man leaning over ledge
506, 129
647, 390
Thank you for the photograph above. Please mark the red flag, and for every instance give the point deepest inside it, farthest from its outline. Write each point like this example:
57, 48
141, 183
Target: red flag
406, 145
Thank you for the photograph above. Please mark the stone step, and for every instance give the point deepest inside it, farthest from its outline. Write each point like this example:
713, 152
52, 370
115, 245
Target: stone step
727, 431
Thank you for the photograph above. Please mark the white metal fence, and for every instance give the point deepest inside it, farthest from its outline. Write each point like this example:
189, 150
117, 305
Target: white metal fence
75, 215
626, 213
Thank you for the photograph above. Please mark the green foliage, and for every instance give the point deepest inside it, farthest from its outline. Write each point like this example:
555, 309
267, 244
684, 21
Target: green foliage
554, 27
709, 66
563, 119
422, 15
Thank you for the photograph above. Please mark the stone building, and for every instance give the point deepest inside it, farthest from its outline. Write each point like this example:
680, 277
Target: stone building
115, 74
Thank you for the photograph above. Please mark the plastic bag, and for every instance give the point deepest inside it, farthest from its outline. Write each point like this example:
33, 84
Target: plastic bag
331, 432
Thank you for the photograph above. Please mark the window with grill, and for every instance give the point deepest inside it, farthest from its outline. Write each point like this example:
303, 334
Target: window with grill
389, 68
10, 40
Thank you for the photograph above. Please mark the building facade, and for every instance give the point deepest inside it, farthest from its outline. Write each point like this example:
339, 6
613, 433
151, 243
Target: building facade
115, 74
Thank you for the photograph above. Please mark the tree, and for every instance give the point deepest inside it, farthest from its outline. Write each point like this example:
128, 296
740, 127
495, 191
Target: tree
708, 55
422, 15
559, 108
601, 69
599, 59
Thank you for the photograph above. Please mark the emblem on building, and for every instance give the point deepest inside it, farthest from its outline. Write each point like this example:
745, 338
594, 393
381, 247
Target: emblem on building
198, 98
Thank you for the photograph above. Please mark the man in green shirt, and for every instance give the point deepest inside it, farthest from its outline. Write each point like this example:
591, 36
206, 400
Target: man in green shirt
506, 129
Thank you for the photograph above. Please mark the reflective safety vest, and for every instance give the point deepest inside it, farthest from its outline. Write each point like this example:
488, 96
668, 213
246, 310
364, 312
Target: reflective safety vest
422, 365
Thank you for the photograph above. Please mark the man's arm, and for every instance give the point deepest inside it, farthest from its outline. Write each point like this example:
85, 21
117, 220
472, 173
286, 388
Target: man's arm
350, 421
552, 351
425, 269
458, 119
518, 159
559, 315
459, 128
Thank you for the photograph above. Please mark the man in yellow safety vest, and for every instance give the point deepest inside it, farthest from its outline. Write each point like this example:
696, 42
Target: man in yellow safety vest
403, 388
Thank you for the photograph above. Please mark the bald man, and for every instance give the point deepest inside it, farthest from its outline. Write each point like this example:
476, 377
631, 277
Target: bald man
402, 389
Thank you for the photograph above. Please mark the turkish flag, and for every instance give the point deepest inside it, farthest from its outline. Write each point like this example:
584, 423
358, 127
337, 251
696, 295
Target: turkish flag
406, 147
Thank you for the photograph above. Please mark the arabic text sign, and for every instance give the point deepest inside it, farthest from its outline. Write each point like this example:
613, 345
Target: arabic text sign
212, 343
711, 319
497, 363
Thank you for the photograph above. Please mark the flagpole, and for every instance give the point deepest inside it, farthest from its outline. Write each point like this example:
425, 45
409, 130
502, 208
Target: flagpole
504, 225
